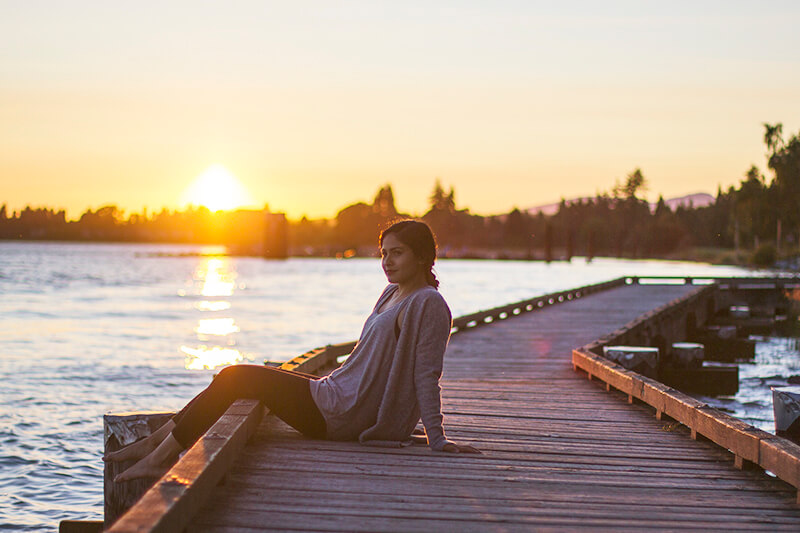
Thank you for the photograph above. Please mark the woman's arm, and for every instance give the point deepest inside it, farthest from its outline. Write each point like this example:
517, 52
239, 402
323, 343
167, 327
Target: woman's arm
434, 325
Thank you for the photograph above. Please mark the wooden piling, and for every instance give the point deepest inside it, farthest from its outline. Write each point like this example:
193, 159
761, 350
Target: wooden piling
119, 430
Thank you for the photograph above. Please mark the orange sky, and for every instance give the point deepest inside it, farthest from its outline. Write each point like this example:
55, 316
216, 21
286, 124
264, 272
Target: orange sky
313, 107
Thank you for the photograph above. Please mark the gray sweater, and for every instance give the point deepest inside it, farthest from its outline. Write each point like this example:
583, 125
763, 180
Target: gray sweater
389, 381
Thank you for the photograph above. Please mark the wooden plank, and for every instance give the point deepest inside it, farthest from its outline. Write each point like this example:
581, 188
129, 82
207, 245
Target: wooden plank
80, 526
253, 497
551, 496
347, 519
589, 461
513, 490
515, 513
581, 478
176, 497
443, 509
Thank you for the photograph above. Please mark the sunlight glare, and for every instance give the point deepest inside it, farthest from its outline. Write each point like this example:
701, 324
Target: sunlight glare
207, 305
217, 279
217, 326
217, 189
204, 358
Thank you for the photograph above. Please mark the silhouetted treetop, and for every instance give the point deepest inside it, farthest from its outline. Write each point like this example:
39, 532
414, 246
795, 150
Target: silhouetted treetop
634, 183
440, 201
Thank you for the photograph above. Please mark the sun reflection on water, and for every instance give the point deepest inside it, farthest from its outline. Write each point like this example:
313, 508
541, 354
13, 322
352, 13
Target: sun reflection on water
206, 305
217, 279
204, 358
214, 279
216, 326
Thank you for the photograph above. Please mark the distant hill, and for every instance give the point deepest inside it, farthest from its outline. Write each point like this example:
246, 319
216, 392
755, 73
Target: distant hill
698, 199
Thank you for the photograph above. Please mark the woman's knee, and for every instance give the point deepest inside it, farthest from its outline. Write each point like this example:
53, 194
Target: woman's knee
244, 381
233, 376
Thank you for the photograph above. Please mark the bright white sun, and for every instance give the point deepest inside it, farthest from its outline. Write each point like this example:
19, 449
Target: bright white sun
217, 189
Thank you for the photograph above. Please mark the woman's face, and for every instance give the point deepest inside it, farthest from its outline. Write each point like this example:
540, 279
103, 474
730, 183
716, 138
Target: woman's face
399, 262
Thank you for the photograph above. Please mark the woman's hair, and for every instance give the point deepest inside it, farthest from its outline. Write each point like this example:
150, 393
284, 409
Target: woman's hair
418, 236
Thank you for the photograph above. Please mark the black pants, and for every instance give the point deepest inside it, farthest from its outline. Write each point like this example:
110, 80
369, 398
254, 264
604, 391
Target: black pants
284, 393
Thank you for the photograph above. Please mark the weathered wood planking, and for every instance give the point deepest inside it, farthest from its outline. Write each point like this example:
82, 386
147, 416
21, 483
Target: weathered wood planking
560, 452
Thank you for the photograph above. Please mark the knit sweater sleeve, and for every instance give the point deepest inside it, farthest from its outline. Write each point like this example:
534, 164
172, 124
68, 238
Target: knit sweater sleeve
435, 322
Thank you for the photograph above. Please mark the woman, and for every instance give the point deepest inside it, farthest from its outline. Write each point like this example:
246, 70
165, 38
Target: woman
377, 396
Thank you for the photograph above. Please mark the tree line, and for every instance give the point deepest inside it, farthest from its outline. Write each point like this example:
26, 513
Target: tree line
759, 217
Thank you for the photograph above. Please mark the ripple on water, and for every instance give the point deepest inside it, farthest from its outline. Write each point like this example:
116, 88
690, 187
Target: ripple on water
12, 461
777, 359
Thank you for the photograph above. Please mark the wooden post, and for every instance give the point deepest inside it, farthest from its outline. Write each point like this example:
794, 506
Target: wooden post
121, 429
641, 359
686, 355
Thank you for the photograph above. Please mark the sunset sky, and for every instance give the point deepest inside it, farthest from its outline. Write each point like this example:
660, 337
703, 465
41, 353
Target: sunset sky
314, 105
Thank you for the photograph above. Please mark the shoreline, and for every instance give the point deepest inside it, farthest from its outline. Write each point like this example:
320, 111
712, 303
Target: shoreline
702, 255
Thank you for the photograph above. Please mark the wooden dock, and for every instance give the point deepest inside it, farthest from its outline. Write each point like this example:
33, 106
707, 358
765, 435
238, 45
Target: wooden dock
560, 452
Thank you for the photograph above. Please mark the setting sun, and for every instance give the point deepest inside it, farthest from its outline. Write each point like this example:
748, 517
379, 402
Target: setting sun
217, 189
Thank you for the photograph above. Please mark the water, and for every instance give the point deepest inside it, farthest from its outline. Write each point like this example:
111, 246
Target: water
90, 328
777, 359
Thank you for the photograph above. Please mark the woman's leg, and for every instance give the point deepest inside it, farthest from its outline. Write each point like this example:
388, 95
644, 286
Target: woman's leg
188, 406
286, 394
144, 446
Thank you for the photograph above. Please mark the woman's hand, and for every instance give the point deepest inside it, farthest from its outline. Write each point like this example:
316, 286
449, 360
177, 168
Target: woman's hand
452, 447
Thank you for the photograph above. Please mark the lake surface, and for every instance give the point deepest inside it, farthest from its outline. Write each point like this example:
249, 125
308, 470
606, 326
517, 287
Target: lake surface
90, 328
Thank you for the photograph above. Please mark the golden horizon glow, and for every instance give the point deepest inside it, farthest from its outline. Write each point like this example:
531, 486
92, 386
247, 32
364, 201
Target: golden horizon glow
218, 190
513, 104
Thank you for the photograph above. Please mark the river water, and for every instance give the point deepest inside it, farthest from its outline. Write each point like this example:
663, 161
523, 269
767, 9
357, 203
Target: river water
90, 328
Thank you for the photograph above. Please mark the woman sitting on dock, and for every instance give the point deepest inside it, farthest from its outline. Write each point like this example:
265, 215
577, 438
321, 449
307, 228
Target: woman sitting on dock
377, 396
